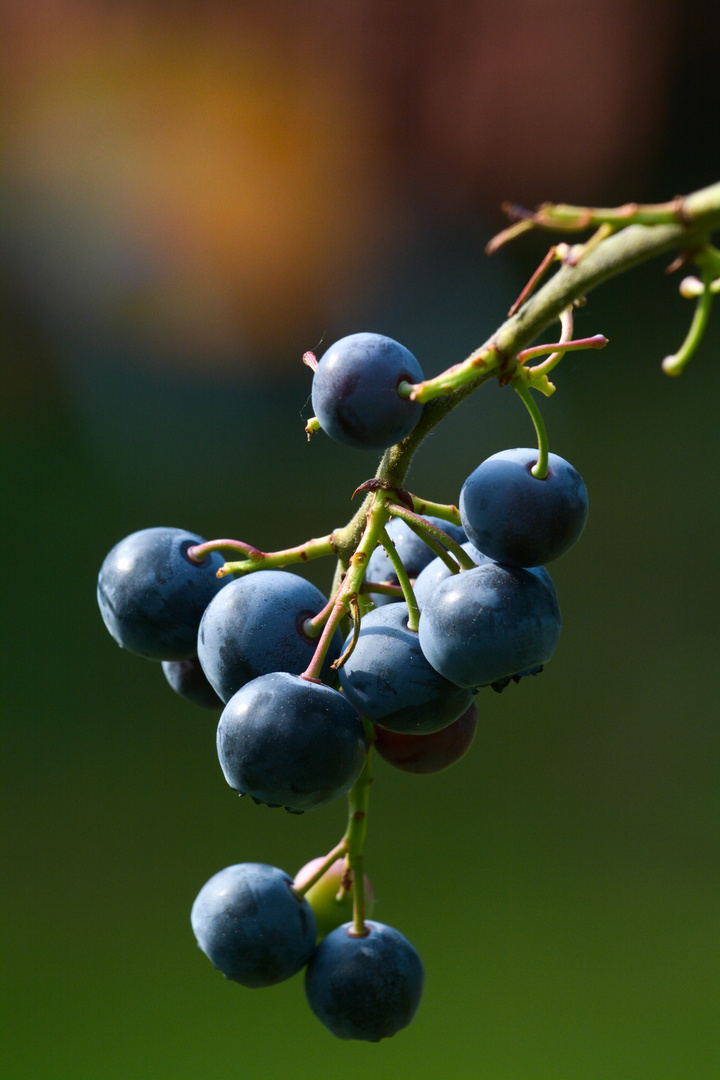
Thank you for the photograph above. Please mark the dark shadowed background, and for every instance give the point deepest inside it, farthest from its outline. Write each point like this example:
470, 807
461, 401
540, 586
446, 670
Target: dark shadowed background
194, 196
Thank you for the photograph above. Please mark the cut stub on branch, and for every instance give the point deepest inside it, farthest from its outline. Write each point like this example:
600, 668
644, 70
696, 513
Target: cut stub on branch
403, 496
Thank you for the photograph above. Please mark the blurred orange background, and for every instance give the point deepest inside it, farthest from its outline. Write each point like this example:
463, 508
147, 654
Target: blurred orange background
211, 185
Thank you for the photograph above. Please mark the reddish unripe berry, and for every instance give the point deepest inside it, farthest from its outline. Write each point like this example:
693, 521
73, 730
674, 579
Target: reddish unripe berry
428, 753
331, 898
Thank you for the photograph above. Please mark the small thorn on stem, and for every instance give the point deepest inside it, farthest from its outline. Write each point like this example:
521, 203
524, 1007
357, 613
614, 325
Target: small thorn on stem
374, 484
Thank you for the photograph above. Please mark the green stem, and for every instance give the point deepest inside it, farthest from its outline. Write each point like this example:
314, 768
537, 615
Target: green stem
365, 604
382, 588
485, 361
512, 231
435, 538
445, 511
607, 228
540, 469
676, 363
562, 216
349, 586
358, 799
535, 373
401, 574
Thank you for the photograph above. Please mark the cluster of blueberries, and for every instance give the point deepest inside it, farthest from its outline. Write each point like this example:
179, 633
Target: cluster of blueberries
243, 645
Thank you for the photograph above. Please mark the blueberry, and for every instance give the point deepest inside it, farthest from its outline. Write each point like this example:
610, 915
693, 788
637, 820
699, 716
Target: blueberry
290, 742
248, 920
365, 987
517, 519
152, 596
388, 679
542, 575
436, 571
255, 627
355, 395
486, 624
188, 679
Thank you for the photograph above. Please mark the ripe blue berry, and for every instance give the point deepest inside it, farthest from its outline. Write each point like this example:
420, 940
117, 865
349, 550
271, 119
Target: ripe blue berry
436, 571
487, 624
365, 987
188, 679
152, 596
248, 920
389, 680
515, 518
355, 391
255, 626
290, 742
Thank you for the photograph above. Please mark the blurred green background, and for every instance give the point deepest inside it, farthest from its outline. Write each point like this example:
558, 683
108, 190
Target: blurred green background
194, 197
